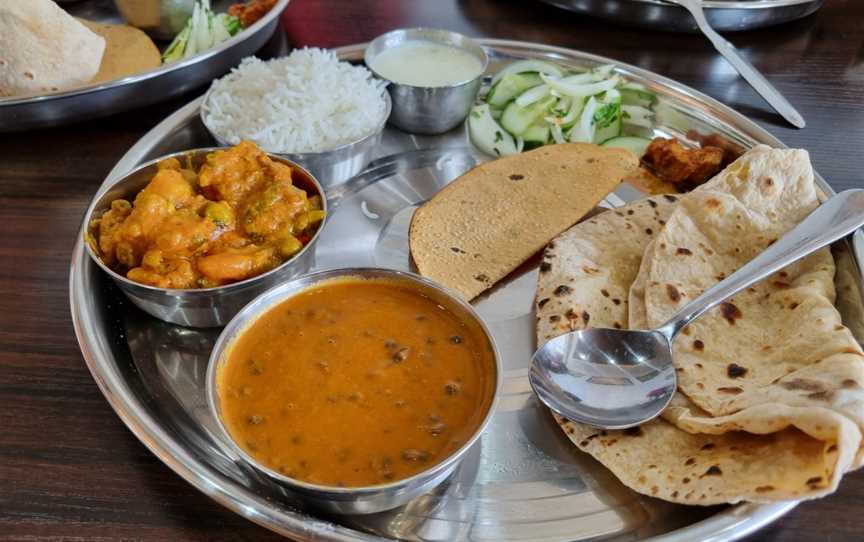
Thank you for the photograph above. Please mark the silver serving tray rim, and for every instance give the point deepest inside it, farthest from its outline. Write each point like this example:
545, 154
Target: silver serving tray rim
731, 523
737, 4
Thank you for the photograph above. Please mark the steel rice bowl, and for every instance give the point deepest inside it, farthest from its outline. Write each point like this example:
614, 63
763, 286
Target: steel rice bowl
331, 165
349, 500
201, 307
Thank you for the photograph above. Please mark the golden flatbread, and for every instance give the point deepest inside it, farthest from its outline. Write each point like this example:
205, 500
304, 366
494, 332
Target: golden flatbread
485, 224
44, 49
128, 51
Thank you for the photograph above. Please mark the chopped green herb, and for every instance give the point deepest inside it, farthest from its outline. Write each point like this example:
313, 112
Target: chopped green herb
606, 115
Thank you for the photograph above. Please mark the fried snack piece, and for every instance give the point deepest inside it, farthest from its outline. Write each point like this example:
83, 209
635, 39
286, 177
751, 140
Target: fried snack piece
250, 12
679, 165
731, 150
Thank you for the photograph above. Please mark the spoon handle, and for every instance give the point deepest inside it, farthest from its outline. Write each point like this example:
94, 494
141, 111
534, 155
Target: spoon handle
743, 67
836, 218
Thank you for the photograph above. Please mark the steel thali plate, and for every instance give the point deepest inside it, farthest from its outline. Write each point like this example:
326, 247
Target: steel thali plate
523, 480
139, 90
723, 15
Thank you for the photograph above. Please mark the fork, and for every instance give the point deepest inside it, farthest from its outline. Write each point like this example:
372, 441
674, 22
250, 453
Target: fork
744, 68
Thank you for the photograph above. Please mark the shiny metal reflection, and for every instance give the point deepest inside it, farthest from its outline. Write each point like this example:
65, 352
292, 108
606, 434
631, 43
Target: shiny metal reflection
605, 377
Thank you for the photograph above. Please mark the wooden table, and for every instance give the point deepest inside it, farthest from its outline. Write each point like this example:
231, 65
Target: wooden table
70, 470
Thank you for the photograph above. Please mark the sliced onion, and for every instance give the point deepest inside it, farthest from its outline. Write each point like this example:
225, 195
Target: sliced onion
605, 70
521, 66
578, 91
580, 78
575, 108
564, 103
630, 85
532, 95
584, 131
557, 134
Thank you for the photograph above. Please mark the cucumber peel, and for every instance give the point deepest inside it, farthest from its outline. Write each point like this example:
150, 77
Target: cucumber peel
487, 134
510, 87
636, 145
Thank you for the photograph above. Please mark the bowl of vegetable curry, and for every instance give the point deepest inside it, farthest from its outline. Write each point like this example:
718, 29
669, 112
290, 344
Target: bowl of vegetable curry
358, 389
192, 237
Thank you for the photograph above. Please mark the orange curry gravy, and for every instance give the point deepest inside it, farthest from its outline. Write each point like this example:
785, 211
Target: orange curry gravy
355, 383
238, 216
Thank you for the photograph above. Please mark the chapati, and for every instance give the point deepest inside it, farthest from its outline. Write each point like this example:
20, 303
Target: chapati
768, 441
44, 49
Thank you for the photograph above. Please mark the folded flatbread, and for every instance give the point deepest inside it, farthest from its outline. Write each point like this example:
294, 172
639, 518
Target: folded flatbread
490, 220
769, 402
44, 49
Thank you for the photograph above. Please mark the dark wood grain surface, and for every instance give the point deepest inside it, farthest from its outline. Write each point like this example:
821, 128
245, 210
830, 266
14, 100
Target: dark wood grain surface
70, 470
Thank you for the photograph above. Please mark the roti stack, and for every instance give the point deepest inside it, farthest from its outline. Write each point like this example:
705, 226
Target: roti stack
44, 49
770, 403
485, 224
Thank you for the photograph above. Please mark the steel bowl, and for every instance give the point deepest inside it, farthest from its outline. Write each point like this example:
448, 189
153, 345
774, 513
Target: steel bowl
351, 500
330, 166
202, 307
429, 110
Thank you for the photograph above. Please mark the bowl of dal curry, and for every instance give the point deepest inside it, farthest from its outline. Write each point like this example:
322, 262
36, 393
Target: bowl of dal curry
355, 389
194, 236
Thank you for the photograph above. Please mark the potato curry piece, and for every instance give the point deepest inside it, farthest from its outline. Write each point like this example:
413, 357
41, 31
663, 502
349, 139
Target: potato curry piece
355, 383
238, 216
686, 168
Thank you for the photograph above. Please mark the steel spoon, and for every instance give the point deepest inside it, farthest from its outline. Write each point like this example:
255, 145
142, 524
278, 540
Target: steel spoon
747, 70
614, 378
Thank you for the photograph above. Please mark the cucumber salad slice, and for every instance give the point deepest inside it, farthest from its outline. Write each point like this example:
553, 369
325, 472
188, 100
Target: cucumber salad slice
533, 103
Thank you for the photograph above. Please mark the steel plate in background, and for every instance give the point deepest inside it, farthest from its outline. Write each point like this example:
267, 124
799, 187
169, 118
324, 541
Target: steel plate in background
523, 480
154, 86
723, 15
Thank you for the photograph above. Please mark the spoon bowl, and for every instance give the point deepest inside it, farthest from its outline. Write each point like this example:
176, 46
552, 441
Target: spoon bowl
614, 378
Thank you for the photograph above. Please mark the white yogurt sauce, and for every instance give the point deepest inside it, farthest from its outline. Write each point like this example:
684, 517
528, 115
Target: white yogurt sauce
426, 64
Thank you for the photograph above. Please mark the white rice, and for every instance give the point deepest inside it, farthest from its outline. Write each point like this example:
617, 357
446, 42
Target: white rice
306, 102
